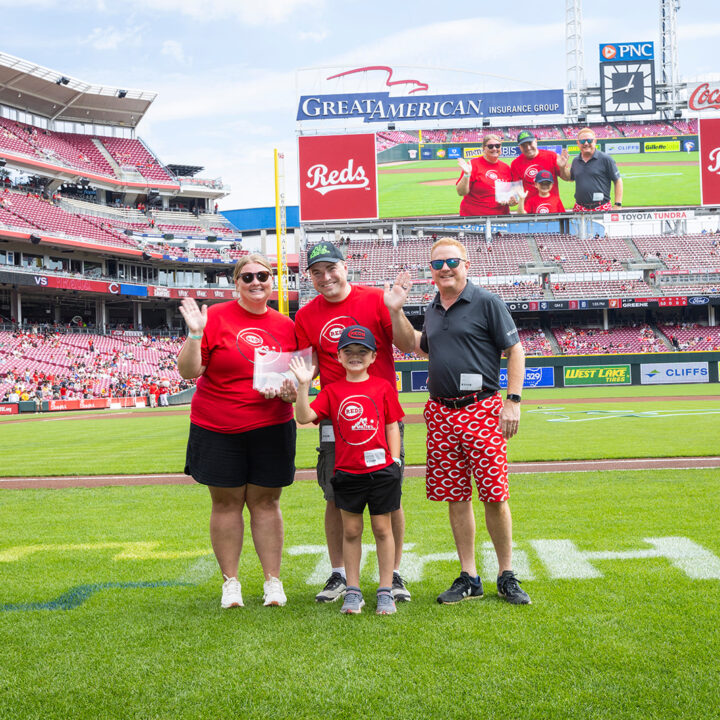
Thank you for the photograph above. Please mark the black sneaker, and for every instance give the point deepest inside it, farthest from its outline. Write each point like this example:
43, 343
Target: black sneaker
399, 591
334, 588
461, 589
508, 587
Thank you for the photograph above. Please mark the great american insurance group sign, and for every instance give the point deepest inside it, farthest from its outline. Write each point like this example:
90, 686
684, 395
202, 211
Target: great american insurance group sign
381, 107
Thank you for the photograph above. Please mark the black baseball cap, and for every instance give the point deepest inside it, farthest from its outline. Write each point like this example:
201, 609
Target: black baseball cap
357, 334
525, 136
544, 176
324, 252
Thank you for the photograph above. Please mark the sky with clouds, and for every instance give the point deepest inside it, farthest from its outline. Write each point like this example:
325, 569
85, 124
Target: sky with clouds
226, 70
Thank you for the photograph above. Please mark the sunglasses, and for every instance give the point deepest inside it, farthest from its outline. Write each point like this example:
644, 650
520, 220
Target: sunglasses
587, 141
452, 263
248, 277
493, 146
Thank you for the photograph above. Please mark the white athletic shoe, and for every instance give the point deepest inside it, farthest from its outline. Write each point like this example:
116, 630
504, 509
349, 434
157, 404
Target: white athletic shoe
231, 593
273, 593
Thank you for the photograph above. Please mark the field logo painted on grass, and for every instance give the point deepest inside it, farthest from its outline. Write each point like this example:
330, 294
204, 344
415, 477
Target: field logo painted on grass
562, 415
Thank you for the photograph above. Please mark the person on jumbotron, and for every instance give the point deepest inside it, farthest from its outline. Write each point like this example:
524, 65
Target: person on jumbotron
532, 160
476, 185
592, 173
319, 325
465, 332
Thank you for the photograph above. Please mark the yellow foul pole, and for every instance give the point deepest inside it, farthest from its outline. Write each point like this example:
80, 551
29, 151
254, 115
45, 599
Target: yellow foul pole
281, 234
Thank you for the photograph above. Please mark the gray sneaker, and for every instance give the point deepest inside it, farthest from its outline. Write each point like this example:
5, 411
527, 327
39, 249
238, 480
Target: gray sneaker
461, 589
334, 588
509, 588
399, 591
354, 602
385, 603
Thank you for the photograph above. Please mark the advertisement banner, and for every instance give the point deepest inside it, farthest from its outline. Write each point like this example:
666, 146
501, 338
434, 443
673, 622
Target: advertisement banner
705, 96
398, 381
418, 380
674, 373
596, 375
8, 408
689, 145
535, 377
662, 146
625, 52
650, 216
710, 161
338, 177
426, 154
440, 153
472, 152
593, 304
454, 153
412, 153
379, 107
510, 151
626, 148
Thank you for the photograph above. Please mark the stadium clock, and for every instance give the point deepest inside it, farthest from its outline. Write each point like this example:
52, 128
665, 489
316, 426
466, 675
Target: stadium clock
627, 88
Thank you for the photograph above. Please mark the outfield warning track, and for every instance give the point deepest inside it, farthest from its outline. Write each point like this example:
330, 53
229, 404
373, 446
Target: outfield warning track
520, 468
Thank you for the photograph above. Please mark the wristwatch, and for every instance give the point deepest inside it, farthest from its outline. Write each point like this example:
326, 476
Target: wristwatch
512, 397
617, 204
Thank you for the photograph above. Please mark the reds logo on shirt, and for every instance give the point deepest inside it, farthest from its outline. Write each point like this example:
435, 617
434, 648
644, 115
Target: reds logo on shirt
543, 209
256, 340
330, 334
491, 175
531, 172
358, 420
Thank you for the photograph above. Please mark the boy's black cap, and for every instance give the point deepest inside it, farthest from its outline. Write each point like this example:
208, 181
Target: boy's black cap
324, 252
357, 334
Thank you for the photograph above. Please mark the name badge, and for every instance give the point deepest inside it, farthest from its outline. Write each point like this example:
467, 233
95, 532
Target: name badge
327, 434
597, 197
471, 381
374, 457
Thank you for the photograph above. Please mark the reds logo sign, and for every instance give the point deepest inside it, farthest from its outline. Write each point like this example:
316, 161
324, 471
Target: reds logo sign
330, 163
256, 340
714, 156
710, 160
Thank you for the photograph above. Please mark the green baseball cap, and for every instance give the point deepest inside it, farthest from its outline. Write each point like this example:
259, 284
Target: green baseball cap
324, 252
525, 136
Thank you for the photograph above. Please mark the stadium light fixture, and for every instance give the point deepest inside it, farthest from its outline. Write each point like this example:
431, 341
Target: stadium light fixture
486, 122
121, 93
35, 239
3, 162
391, 126
62, 81
582, 119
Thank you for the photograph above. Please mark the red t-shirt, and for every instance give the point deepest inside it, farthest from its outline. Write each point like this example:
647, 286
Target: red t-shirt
481, 198
542, 206
523, 169
225, 400
359, 412
320, 323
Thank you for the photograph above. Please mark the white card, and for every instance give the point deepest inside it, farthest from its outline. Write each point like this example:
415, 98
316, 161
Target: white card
374, 457
597, 197
471, 381
327, 434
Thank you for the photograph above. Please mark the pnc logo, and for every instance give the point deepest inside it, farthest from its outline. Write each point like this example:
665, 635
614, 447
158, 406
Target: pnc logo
323, 180
609, 52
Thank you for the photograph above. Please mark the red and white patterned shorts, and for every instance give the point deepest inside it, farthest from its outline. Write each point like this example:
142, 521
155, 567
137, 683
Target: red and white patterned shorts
605, 207
462, 443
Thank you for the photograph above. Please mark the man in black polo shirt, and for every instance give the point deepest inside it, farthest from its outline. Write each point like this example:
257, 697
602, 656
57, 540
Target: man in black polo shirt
466, 331
593, 172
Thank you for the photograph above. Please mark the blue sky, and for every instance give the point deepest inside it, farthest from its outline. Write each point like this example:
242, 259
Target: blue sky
225, 70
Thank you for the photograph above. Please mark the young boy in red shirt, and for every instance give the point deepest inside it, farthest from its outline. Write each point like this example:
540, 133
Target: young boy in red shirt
544, 202
364, 411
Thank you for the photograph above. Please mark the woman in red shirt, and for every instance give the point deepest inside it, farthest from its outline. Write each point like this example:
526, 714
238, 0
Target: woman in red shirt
241, 444
476, 185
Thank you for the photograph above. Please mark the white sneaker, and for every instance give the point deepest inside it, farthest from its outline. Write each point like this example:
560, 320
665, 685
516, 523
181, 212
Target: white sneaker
273, 593
231, 593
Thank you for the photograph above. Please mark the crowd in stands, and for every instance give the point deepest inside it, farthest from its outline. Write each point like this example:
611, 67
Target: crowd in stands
46, 364
594, 341
603, 131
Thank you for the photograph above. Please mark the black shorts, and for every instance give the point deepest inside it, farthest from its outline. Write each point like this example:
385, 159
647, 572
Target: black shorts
264, 456
379, 490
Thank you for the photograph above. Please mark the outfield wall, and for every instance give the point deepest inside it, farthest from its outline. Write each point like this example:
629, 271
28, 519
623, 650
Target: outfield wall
615, 146
592, 370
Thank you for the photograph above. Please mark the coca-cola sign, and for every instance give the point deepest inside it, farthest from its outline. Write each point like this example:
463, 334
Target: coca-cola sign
338, 177
705, 97
710, 160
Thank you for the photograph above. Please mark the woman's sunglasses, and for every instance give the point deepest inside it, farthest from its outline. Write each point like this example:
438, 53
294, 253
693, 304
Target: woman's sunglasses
587, 141
247, 277
451, 263
493, 146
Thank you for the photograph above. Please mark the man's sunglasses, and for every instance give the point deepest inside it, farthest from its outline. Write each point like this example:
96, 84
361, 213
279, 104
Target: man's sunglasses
493, 146
587, 141
452, 263
262, 276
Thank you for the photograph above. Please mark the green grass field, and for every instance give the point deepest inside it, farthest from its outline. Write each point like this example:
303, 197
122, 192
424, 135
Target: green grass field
653, 182
109, 601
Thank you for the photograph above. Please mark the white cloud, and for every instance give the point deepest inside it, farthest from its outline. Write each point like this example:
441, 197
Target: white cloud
174, 50
111, 38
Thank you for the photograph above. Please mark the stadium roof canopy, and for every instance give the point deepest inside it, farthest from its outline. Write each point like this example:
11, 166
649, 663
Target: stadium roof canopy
49, 94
